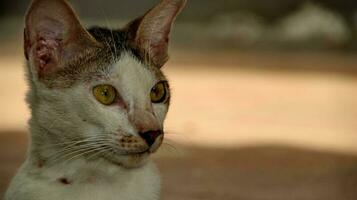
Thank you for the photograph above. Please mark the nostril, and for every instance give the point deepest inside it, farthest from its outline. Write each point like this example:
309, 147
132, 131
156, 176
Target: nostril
150, 136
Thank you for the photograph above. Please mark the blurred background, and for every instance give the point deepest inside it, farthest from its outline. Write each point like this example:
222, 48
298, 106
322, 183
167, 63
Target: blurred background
264, 100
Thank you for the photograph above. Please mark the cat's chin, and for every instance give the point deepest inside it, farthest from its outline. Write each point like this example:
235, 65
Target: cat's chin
130, 160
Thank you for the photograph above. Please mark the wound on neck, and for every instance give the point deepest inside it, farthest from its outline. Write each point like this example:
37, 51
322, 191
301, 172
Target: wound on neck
64, 181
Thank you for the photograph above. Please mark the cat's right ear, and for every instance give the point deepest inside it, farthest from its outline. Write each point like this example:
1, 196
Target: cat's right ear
53, 35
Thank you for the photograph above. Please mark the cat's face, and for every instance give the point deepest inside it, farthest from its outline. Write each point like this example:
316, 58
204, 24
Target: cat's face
114, 110
101, 91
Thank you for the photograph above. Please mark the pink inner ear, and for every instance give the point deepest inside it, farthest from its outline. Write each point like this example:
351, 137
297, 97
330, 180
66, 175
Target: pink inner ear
47, 23
44, 46
154, 29
46, 40
54, 35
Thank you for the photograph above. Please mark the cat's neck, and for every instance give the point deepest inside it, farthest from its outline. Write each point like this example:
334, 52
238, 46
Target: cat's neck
48, 152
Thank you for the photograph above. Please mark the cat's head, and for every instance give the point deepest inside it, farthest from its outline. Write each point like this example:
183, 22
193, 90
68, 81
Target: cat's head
99, 92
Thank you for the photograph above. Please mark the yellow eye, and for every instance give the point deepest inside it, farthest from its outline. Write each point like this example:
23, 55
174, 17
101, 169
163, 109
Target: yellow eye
105, 94
159, 93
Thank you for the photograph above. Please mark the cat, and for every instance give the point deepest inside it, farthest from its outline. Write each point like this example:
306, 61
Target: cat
98, 100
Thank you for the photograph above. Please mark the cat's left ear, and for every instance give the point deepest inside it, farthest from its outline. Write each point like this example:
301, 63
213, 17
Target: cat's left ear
150, 34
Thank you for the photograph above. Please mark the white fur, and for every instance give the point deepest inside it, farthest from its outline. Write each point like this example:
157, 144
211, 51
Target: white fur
57, 117
109, 183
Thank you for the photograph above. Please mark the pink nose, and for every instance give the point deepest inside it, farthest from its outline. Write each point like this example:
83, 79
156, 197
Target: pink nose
150, 136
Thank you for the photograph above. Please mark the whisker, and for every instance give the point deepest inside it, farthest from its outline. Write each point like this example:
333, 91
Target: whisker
74, 150
64, 155
113, 54
170, 146
71, 147
74, 142
170, 133
81, 154
103, 150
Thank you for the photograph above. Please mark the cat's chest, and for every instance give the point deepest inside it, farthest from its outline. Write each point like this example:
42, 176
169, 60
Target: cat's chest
137, 184
102, 191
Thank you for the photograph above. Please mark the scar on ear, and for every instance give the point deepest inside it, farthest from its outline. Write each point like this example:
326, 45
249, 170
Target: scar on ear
47, 54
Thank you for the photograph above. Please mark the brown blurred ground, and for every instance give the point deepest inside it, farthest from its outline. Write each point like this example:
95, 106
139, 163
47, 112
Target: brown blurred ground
246, 173
252, 126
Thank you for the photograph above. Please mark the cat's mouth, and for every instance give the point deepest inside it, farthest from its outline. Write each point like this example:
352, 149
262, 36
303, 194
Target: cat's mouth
137, 153
130, 159
133, 152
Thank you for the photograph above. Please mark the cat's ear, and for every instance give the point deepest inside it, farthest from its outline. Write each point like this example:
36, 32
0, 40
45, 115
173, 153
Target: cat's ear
150, 33
53, 35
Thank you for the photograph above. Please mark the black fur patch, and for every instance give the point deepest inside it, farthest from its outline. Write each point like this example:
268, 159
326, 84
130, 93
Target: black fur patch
116, 40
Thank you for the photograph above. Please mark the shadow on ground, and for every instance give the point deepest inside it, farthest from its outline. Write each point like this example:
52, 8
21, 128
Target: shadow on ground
249, 173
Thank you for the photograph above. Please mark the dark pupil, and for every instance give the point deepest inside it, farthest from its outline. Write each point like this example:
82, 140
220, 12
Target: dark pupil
105, 92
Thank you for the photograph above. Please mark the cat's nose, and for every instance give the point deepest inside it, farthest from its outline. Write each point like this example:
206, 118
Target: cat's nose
150, 136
